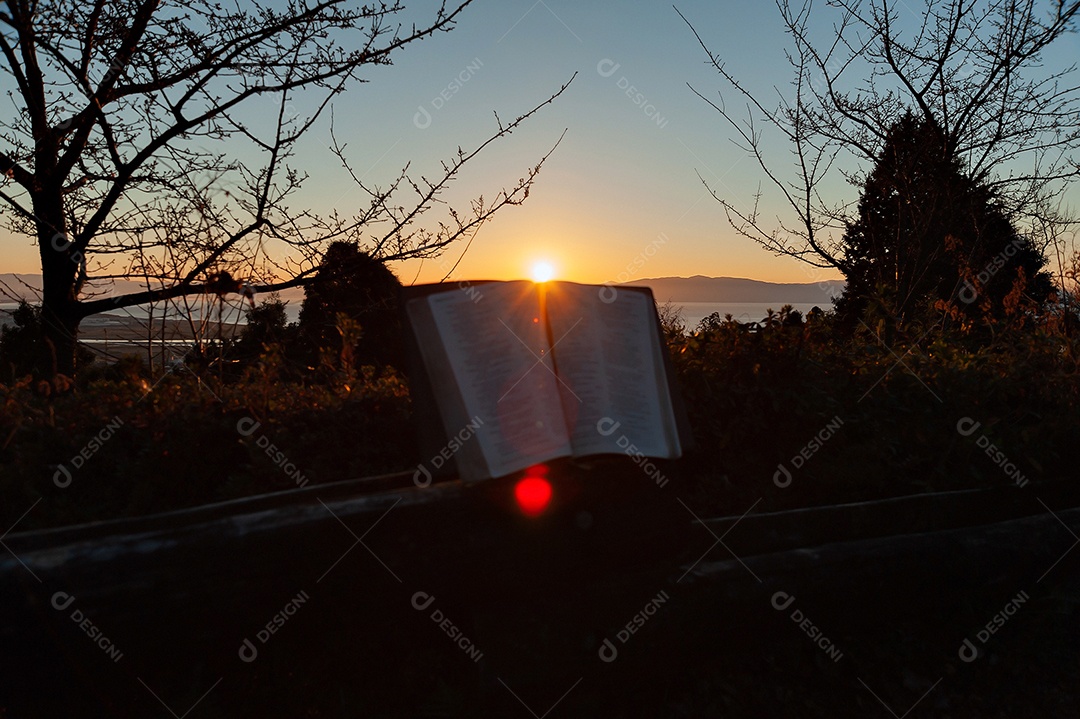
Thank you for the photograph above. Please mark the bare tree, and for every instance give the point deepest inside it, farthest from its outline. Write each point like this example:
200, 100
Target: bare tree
973, 68
155, 139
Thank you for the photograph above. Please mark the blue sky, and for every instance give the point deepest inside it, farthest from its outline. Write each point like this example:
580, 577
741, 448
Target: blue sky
625, 176
624, 179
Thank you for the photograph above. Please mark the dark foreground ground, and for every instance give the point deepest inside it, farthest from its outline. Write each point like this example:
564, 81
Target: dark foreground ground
340, 601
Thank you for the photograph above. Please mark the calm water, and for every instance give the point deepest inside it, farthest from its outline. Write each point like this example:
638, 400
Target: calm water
691, 312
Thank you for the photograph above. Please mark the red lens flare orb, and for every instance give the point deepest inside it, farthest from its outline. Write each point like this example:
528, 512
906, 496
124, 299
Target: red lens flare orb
533, 493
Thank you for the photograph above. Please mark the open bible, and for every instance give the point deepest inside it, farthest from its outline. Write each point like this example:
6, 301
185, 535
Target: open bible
522, 373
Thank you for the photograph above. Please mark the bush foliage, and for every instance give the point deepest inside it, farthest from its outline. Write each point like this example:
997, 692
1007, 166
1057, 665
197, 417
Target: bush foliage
758, 395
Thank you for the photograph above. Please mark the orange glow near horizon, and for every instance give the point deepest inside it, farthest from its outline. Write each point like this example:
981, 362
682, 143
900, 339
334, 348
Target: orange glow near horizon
594, 256
542, 271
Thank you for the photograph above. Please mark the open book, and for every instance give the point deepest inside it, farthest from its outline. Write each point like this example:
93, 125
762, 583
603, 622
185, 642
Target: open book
522, 373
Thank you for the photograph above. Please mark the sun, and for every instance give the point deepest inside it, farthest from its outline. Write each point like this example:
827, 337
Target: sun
542, 271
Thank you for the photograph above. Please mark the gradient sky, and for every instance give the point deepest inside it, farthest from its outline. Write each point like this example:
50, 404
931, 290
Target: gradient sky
621, 197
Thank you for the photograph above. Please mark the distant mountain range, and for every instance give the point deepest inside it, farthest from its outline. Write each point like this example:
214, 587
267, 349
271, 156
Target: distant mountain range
26, 286
20, 285
666, 289
16, 284
732, 290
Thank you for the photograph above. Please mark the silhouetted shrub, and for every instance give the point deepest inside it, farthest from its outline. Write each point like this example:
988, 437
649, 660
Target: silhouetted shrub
352, 283
23, 348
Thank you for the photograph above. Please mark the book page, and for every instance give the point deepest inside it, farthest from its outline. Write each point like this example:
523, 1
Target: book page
465, 455
613, 381
496, 344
